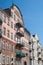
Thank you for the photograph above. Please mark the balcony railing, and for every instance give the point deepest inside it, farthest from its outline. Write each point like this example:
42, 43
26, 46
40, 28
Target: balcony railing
39, 57
19, 43
20, 33
39, 51
19, 24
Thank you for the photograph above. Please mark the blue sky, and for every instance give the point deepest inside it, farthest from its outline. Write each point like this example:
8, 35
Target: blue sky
32, 11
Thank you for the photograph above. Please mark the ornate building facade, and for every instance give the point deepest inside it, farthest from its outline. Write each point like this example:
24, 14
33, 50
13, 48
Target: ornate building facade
14, 38
35, 50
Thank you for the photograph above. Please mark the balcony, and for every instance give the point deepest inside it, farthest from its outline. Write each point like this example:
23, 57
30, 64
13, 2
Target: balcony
20, 54
20, 33
39, 51
39, 57
19, 24
19, 43
0, 22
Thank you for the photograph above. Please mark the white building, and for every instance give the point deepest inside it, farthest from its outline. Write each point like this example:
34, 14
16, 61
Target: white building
42, 56
35, 50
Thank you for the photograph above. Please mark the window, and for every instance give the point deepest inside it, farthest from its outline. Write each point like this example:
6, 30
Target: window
3, 60
7, 60
15, 37
4, 31
11, 35
25, 63
0, 31
11, 47
11, 24
0, 15
30, 61
5, 19
15, 28
8, 33
8, 22
18, 39
4, 45
12, 14
14, 17
7, 47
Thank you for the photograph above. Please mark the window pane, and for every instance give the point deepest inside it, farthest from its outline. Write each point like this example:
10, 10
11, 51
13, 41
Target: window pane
3, 60
8, 33
0, 15
4, 31
14, 17
5, 19
8, 23
11, 35
12, 14
11, 24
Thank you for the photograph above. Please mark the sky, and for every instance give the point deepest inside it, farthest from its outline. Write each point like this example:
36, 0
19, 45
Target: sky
32, 11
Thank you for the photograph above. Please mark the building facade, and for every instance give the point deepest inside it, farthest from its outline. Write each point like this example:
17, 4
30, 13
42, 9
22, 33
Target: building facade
42, 56
35, 50
14, 42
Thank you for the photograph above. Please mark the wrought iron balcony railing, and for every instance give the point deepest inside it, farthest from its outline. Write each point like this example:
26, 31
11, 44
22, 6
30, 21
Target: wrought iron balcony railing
20, 33
19, 43
19, 24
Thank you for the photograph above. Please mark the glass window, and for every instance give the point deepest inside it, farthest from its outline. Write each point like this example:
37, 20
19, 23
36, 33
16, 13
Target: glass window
5, 19
15, 38
14, 17
8, 33
11, 47
4, 31
25, 63
0, 15
0, 31
4, 45
15, 28
8, 23
7, 60
3, 60
11, 24
12, 14
11, 35
18, 39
